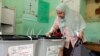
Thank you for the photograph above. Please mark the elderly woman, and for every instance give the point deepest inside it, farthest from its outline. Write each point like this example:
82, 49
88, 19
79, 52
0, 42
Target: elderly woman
71, 25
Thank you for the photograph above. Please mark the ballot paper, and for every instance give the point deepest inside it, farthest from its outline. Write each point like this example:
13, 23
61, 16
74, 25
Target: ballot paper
21, 50
53, 51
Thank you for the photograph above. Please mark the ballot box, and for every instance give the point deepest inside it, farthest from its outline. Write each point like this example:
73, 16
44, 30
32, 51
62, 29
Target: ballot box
17, 45
49, 46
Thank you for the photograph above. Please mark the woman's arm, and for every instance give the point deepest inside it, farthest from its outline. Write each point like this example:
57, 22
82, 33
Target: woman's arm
53, 28
82, 27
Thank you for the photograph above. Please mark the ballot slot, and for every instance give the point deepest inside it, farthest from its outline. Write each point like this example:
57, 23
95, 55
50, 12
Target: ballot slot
12, 45
48, 47
17, 37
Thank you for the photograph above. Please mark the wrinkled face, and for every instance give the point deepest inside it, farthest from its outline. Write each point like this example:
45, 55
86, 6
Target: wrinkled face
60, 14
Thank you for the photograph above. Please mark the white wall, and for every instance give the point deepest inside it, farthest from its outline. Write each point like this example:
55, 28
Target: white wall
0, 10
0, 15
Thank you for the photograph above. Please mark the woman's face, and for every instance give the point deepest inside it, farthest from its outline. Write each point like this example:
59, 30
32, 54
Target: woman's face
60, 14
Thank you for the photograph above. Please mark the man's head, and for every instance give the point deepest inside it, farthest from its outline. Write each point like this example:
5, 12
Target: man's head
61, 10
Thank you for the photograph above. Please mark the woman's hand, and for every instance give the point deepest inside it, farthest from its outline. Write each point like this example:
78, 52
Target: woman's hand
80, 35
48, 34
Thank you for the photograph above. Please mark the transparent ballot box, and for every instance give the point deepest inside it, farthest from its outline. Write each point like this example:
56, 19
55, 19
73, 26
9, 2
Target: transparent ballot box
49, 46
17, 45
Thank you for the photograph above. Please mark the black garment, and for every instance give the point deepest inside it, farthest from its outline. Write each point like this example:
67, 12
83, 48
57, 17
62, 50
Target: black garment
67, 51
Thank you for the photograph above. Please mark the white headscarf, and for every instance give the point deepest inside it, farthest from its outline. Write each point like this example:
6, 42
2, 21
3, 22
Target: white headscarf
61, 7
74, 21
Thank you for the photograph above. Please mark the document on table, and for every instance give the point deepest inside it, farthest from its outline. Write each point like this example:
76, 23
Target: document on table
53, 50
21, 50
